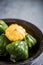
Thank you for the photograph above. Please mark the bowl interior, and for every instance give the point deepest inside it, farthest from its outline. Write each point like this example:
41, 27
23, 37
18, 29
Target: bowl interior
34, 31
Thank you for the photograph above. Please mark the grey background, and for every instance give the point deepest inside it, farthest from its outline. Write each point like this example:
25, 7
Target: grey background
30, 10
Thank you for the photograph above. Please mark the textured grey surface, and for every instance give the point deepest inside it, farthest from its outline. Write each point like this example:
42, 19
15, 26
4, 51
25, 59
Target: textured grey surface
30, 10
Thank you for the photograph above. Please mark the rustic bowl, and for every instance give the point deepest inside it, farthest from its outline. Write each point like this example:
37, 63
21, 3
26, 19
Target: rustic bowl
35, 52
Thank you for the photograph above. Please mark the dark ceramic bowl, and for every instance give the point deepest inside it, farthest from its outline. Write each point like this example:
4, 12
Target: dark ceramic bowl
35, 52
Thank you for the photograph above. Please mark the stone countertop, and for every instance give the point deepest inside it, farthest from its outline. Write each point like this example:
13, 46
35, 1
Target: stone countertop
30, 10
